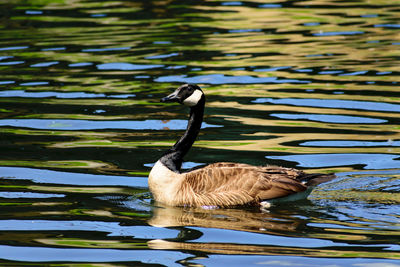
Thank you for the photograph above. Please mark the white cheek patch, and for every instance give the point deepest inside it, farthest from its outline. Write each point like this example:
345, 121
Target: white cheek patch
193, 99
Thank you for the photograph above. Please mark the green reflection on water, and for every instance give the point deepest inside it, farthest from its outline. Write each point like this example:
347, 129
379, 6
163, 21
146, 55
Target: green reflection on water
234, 47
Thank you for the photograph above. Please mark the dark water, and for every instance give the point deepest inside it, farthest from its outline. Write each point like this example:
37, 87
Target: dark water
306, 84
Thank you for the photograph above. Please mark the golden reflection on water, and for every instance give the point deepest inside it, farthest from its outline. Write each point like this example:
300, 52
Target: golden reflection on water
290, 24
239, 52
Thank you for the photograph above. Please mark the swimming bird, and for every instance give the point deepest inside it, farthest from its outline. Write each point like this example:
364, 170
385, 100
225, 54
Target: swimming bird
222, 184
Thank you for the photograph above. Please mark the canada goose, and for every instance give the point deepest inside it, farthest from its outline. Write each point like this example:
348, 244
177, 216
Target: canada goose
222, 184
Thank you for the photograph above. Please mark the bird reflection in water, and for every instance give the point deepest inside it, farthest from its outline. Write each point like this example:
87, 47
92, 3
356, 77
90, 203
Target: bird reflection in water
190, 222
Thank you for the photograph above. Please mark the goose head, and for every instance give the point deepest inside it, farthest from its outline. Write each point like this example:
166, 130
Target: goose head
187, 94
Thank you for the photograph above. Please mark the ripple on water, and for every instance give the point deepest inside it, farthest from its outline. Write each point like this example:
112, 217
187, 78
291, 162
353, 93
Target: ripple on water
86, 54
212, 235
224, 79
232, 3
351, 143
33, 83
5, 194
33, 12
13, 48
54, 48
44, 64
5, 57
80, 64
369, 161
126, 66
328, 118
112, 228
6, 82
354, 73
106, 49
330, 72
338, 33
387, 26
163, 56
270, 6
60, 124
67, 95
10, 63
272, 69
49, 254
43, 176
255, 260
331, 103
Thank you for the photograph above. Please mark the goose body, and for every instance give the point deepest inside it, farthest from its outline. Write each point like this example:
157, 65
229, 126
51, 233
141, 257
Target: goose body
222, 184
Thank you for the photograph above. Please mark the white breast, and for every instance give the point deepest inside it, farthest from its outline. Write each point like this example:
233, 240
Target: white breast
164, 183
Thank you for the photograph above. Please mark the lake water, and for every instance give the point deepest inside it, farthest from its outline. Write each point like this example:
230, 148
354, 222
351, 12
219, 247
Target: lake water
306, 84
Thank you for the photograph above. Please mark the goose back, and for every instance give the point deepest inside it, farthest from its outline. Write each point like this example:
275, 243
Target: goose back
232, 184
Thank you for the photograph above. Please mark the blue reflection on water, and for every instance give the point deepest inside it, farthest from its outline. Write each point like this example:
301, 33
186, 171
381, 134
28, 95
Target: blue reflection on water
112, 228
273, 68
311, 24
243, 30
33, 12
10, 63
331, 103
387, 25
232, 3
213, 235
68, 95
126, 66
162, 42
304, 70
328, 118
70, 178
348, 143
47, 254
60, 124
370, 16
6, 194
371, 161
106, 49
162, 56
44, 64
80, 64
33, 83
6, 82
270, 6
222, 79
216, 260
99, 15
54, 48
383, 72
5, 57
338, 33
330, 72
13, 48
354, 73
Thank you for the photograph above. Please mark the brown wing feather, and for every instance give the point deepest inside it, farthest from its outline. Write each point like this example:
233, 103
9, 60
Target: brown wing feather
231, 184
229, 165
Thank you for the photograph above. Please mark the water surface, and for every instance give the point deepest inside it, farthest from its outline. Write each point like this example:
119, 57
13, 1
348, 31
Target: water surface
306, 84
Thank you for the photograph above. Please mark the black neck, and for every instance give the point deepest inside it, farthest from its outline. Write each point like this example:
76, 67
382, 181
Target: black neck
173, 158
